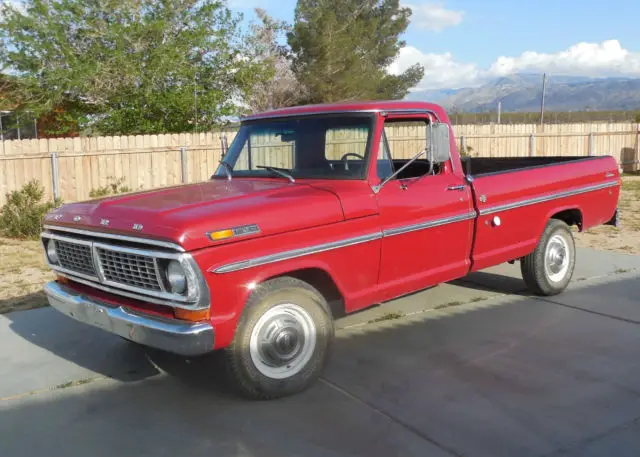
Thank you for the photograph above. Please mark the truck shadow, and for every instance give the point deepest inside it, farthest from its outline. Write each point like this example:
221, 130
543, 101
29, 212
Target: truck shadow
491, 282
85, 346
116, 358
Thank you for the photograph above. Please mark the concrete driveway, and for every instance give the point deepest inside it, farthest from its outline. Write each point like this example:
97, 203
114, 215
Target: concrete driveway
471, 368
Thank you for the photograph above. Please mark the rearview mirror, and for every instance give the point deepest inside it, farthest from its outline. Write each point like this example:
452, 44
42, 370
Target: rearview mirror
440, 146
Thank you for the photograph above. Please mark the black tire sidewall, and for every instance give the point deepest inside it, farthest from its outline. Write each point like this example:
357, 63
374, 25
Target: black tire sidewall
250, 382
555, 227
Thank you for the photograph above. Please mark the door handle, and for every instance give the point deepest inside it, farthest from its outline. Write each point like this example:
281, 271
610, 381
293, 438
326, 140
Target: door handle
457, 187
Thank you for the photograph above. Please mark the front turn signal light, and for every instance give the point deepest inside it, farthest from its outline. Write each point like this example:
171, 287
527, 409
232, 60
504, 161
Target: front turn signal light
62, 279
191, 315
221, 234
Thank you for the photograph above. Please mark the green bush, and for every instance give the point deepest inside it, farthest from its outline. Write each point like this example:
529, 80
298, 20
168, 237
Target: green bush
21, 216
638, 117
112, 188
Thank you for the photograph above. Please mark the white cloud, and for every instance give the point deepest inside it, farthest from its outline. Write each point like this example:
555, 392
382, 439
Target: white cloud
440, 70
589, 59
434, 16
608, 58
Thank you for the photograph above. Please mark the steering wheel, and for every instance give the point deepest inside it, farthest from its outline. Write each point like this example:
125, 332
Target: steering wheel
344, 157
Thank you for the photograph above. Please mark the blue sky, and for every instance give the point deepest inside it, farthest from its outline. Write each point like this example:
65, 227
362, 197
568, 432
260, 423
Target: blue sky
465, 42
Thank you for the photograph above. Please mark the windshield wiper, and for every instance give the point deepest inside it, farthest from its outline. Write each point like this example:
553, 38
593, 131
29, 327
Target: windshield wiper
227, 169
284, 172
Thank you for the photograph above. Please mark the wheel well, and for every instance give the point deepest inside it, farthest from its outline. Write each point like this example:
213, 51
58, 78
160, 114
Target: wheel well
570, 217
325, 284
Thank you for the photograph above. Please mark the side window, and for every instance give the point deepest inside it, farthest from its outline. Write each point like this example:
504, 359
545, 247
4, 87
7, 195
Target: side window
405, 138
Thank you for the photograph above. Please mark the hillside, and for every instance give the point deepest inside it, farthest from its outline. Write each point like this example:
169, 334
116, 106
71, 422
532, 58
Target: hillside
522, 93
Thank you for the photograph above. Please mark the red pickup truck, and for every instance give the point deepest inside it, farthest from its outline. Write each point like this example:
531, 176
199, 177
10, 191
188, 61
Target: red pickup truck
314, 212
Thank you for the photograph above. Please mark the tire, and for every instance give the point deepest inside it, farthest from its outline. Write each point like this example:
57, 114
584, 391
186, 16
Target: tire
294, 321
549, 268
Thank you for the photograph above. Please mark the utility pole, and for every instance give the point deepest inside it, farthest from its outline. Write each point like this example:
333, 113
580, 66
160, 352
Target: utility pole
499, 111
544, 88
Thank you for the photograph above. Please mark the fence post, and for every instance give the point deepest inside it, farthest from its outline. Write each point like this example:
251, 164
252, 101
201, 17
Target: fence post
532, 145
463, 144
55, 178
183, 162
592, 144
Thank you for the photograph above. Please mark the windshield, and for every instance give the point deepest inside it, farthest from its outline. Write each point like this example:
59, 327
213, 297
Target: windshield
323, 147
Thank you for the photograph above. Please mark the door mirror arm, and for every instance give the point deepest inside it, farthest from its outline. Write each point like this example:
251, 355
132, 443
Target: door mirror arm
377, 188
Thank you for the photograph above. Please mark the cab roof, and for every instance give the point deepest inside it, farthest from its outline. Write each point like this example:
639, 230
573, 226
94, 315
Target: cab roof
353, 107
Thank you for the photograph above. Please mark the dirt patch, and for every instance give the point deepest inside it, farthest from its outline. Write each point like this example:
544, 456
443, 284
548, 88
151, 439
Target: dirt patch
626, 238
23, 272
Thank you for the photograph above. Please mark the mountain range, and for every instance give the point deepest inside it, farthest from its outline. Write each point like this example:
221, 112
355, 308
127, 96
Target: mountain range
521, 92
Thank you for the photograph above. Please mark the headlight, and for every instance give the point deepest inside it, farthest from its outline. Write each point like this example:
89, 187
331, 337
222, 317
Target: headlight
52, 255
176, 277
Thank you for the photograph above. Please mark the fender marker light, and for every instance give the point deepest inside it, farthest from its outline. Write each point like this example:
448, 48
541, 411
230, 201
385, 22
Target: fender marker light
234, 231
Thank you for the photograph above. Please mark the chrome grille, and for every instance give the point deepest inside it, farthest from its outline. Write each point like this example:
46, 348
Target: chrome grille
75, 257
129, 269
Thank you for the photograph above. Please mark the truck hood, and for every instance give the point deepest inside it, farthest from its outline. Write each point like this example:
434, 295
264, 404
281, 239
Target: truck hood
184, 214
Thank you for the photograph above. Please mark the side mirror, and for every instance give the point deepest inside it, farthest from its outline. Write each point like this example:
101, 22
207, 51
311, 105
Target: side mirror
440, 144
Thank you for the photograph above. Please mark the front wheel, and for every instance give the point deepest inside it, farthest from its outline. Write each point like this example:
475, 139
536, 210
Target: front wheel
549, 268
282, 342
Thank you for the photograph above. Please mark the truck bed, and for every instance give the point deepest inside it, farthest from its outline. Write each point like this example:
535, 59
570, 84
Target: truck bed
515, 197
477, 166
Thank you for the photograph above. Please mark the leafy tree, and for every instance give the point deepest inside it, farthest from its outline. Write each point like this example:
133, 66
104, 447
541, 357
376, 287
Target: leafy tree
128, 66
278, 86
343, 48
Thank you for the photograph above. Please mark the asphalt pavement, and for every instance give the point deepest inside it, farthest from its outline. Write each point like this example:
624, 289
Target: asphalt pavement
475, 367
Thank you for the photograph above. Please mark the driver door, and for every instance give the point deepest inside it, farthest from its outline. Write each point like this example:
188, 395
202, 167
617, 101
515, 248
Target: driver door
427, 217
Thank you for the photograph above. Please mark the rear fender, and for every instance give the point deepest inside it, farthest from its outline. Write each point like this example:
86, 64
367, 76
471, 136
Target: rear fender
555, 211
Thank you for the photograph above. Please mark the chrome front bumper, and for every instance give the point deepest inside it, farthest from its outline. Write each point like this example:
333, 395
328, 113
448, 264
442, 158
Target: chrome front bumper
170, 335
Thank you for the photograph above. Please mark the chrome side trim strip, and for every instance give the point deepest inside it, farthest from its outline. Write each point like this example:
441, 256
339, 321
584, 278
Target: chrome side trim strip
286, 255
429, 224
112, 236
545, 198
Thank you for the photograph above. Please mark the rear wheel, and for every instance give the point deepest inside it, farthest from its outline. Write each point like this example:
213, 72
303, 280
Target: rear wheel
282, 342
549, 268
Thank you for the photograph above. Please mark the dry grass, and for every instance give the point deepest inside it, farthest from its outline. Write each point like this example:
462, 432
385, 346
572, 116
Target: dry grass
625, 239
23, 271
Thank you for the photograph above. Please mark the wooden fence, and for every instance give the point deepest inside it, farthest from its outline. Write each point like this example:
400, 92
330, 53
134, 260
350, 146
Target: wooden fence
71, 167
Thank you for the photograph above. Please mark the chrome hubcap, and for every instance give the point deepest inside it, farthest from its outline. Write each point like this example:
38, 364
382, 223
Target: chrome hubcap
282, 341
556, 258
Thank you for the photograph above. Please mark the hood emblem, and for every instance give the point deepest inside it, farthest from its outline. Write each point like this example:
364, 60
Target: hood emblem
137, 227
104, 222
76, 218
